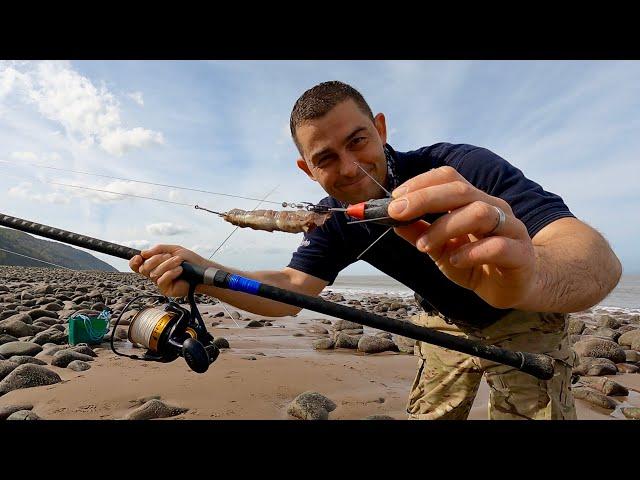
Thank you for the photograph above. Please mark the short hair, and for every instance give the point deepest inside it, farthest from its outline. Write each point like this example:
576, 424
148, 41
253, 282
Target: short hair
319, 100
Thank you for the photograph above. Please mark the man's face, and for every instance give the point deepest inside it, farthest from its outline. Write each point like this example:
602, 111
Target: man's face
334, 145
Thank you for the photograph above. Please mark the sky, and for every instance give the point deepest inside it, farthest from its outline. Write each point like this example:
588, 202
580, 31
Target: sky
223, 126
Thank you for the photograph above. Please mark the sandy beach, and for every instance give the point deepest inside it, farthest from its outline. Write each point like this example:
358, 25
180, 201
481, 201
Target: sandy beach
261, 373
237, 387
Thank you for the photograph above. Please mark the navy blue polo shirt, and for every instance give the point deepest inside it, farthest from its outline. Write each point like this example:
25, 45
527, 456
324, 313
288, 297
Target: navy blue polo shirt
328, 249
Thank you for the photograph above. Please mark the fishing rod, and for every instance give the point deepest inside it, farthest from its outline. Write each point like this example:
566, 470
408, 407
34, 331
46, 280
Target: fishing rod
171, 332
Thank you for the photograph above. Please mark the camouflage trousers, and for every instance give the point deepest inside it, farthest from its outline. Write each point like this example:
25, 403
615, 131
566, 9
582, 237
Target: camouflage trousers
447, 381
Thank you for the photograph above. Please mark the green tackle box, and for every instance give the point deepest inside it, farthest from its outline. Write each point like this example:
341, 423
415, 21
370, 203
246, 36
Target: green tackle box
89, 330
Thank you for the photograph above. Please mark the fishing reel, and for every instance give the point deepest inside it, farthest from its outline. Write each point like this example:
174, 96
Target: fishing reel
170, 331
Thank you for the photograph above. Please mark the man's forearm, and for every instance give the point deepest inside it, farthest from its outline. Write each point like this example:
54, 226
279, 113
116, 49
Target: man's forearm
573, 273
252, 303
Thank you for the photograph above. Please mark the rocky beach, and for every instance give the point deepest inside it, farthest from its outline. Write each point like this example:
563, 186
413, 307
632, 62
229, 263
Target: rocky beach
308, 366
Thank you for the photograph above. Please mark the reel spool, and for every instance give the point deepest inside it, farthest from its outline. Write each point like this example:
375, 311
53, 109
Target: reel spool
168, 332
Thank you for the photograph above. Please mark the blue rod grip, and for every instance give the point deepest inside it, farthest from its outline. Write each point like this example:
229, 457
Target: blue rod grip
242, 284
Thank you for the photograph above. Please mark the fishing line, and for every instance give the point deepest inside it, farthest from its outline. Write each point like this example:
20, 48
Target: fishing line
234, 230
138, 181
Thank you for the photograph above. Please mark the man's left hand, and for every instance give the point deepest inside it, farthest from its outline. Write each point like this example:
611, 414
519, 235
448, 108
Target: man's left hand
498, 264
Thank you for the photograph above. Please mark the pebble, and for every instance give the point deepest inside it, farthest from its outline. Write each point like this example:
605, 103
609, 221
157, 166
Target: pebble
23, 415
311, 406
594, 397
155, 409
26, 376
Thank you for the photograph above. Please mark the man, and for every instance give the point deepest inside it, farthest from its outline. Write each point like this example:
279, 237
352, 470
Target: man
496, 258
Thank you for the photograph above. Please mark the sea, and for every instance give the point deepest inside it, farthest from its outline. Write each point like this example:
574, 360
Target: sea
624, 298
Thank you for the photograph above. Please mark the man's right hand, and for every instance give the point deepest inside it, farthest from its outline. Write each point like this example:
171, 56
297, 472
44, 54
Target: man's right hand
161, 264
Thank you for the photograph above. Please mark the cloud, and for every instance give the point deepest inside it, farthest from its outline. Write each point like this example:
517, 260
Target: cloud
137, 244
136, 97
29, 156
25, 190
87, 113
11, 80
165, 228
120, 141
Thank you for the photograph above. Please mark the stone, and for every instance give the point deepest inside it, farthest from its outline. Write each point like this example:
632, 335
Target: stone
17, 328
575, 327
627, 338
378, 417
384, 335
317, 329
235, 315
27, 376
20, 348
608, 333
23, 415
353, 331
311, 406
21, 316
346, 325
65, 357
84, 349
52, 349
155, 409
604, 385
323, 344
6, 367
7, 313
39, 312
404, 344
141, 400
4, 338
6, 411
52, 307
43, 290
78, 366
253, 324
51, 335
595, 366
627, 368
219, 314
25, 296
221, 342
608, 321
22, 359
370, 344
627, 328
594, 397
46, 321
631, 412
343, 340
632, 356
600, 348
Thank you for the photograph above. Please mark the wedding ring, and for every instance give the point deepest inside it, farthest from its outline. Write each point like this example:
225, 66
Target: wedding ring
502, 217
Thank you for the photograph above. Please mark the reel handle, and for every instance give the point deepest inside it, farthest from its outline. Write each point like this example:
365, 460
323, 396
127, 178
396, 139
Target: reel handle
196, 355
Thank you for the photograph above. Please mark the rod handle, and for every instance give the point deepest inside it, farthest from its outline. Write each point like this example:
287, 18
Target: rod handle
537, 364
192, 273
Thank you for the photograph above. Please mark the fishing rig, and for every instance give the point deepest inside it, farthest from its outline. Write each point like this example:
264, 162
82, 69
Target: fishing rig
173, 331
